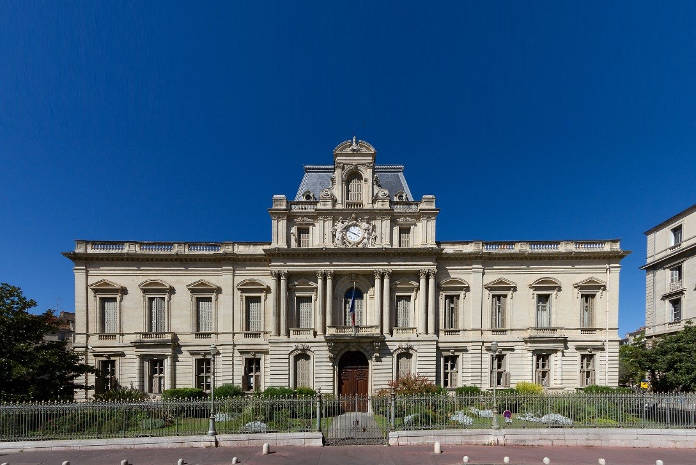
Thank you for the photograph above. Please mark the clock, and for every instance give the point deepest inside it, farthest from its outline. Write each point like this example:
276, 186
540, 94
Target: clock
354, 233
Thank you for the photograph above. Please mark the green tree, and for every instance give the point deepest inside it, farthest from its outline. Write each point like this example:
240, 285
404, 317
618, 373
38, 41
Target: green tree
30, 367
631, 371
671, 361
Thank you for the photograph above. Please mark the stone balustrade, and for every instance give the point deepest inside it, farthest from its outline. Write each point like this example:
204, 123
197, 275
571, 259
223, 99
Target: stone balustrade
404, 331
155, 337
301, 332
352, 330
303, 206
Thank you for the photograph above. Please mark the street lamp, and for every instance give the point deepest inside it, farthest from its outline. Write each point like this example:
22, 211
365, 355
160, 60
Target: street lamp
494, 351
211, 424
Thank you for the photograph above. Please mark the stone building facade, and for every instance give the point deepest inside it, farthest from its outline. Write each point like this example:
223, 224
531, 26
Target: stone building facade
352, 292
670, 274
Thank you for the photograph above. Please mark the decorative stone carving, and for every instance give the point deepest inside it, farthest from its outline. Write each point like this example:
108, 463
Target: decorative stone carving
304, 220
406, 220
382, 194
327, 193
353, 232
302, 348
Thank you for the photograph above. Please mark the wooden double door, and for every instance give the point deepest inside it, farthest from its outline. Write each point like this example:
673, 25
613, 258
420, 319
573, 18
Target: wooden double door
353, 379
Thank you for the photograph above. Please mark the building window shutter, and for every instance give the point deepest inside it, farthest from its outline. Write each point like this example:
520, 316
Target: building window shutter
157, 315
205, 314
109, 324
253, 313
302, 371
403, 364
304, 311
403, 311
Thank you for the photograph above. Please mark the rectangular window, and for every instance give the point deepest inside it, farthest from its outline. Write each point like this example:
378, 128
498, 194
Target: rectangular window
156, 376
675, 274
156, 308
252, 374
108, 315
403, 364
587, 301
252, 318
303, 311
499, 375
543, 319
677, 235
203, 372
303, 371
498, 302
542, 374
106, 376
675, 310
204, 312
404, 237
587, 369
403, 311
451, 311
303, 237
450, 372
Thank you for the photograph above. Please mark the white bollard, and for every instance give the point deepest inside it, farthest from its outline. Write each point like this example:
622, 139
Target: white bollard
546, 461
124, 462
658, 462
180, 462
235, 460
506, 459
266, 450
65, 462
465, 459
601, 461
436, 448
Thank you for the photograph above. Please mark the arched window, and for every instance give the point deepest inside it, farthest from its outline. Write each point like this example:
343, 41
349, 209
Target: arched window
354, 188
354, 295
303, 371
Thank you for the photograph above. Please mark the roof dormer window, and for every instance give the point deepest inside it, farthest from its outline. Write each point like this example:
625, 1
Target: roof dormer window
354, 190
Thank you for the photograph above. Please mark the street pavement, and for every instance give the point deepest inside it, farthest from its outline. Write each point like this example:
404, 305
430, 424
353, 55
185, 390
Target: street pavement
359, 455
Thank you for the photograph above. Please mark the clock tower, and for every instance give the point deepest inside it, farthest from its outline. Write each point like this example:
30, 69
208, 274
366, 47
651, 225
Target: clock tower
353, 203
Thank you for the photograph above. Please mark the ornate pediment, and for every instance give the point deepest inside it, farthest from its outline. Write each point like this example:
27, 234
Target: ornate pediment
590, 283
303, 283
155, 285
252, 285
546, 282
454, 284
501, 284
354, 146
404, 284
203, 286
106, 286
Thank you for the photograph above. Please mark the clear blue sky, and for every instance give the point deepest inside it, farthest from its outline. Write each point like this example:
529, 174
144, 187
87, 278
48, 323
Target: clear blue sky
162, 121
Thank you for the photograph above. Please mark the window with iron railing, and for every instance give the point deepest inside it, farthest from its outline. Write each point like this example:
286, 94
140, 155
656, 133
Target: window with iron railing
157, 322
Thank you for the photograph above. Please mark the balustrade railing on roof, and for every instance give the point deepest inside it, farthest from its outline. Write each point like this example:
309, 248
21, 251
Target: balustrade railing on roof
405, 206
203, 247
107, 246
157, 247
544, 245
304, 206
590, 245
499, 246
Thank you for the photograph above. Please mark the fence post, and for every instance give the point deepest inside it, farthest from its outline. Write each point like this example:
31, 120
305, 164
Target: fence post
392, 409
319, 412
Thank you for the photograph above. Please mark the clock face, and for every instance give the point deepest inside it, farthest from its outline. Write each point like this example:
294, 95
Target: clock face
354, 233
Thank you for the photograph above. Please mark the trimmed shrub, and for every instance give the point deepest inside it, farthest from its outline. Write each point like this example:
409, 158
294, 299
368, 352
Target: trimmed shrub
467, 390
524, 387
183, 393
411, 385
121, 395
278, 391
305, 392
228, 390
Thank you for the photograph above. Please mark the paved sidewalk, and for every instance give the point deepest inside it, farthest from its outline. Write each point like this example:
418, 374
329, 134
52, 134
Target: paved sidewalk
360, 455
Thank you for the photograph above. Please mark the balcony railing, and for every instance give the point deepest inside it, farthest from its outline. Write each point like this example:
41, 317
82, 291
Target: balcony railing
107, 246
203, 247
499, 246
303, 206
352, 330
405, 207
301, 332
155, 337
590, 245
352, 204
202, 335
675, 285
450, 332
252, 335
157, 247
544, 245
107, 337
400, 331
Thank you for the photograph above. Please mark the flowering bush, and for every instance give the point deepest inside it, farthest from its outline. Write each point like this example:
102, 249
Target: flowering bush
411, 385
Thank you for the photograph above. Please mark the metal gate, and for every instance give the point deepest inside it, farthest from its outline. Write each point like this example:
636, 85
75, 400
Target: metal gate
355, 420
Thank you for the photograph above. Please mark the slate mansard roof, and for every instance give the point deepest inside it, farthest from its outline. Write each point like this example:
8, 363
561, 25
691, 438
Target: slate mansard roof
318, 177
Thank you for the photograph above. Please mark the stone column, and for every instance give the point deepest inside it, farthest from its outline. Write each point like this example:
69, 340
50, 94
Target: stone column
432, 312
169, 373
378, 299
386, 301
422, 307
274, 303
284, 303
320, 303
329, 298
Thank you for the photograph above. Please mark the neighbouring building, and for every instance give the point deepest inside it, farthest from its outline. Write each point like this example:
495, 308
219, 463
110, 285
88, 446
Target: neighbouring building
65, 329
670, 274
352, 291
